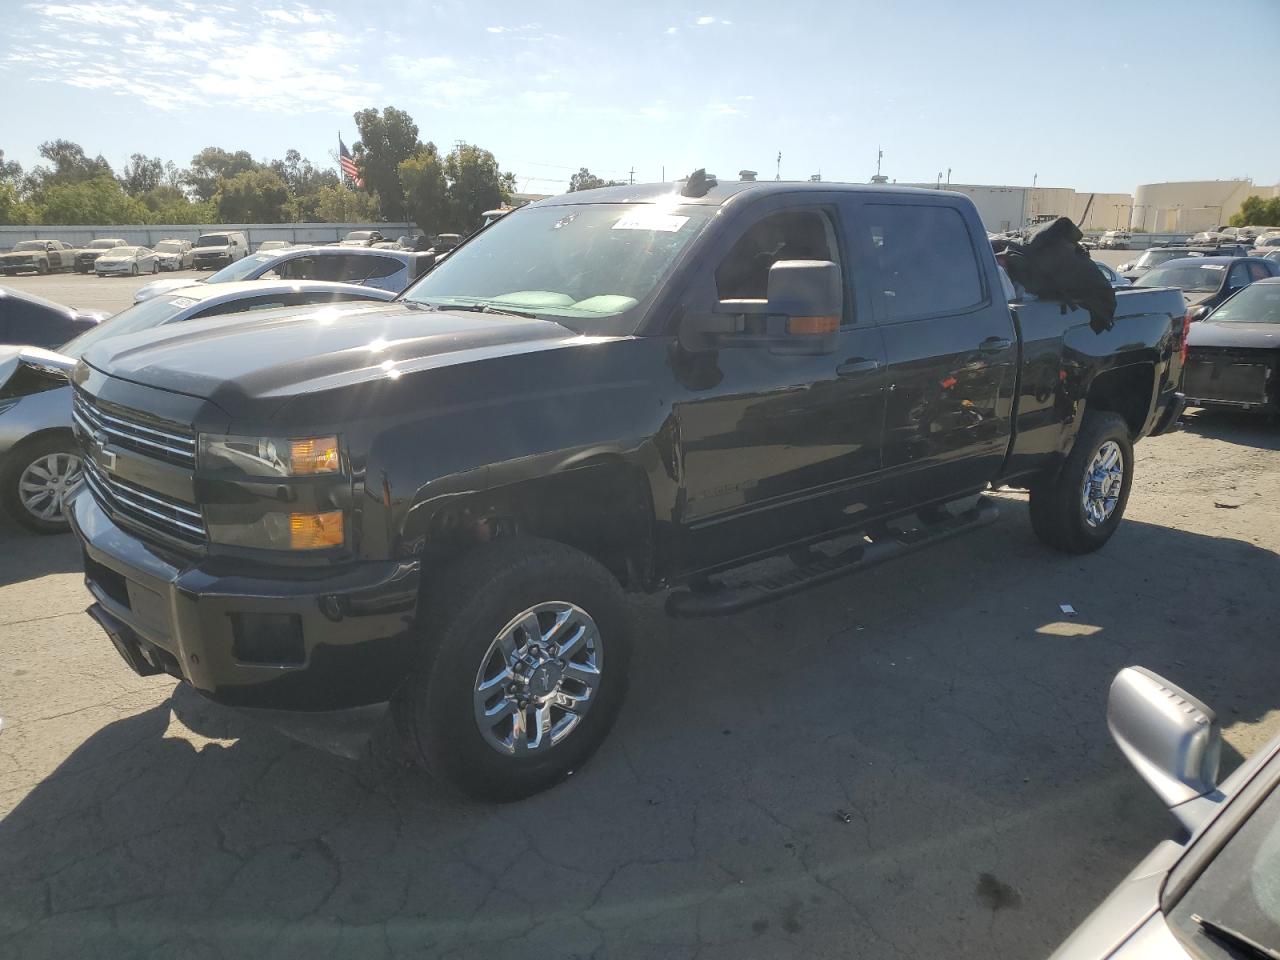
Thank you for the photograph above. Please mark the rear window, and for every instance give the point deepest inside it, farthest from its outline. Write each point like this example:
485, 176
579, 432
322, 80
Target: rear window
926, 260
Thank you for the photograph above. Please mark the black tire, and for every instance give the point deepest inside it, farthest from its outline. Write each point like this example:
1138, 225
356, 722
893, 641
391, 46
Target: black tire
155, 267
134, 269
15, 465
1058, 514
462, 616
42, 267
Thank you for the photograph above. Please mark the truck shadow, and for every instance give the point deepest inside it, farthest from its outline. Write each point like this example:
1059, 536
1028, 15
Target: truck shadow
25, 555
899, 744
1245, 429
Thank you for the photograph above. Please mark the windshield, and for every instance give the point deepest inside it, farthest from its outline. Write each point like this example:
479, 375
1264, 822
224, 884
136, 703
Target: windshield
588, 266
241, 268
168, 246
29, 245
1202, 279
1240, 888
216, 240
1153, 258
121, 252
103, 244
1256, 303
141, 316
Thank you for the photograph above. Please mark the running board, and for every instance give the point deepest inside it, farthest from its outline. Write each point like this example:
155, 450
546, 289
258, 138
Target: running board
718, 600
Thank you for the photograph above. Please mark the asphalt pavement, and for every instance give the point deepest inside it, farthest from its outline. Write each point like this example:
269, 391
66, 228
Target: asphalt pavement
909, 762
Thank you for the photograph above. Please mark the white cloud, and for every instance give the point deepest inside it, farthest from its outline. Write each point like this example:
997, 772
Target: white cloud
720, 109
439, 81
299, 14
671, 31
521, 28
704, 21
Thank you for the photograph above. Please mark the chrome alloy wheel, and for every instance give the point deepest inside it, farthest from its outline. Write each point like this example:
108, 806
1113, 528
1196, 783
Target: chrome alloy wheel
1102, 484
45, 483
538, 679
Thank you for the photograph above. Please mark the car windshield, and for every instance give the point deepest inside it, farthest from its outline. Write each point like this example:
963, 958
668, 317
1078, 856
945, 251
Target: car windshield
216, 240
1202, 279
241, 268
359, 235
141, 316
122, 252
103, 244
1256, 303
1153, 258
1239, 888
29, 245
168, 246
588, 266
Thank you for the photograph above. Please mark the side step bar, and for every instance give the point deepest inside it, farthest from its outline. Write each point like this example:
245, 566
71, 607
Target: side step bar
719, 600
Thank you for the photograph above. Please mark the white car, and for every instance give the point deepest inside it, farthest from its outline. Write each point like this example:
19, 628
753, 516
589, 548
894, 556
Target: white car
174, 254
127, 261
270, 246
1114, 240
391, 270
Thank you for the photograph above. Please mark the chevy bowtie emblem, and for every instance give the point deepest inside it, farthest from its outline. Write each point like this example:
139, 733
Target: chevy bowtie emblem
106, 457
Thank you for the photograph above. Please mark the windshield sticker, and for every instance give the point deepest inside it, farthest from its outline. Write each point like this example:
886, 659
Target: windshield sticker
564, 221
1213, 266
651, 221
182, 301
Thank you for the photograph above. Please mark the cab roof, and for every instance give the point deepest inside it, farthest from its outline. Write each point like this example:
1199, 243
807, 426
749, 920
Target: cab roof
724, 191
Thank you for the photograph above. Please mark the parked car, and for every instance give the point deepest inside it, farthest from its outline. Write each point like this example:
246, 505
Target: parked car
86, 256
37, 256
1211, 892
1089, 243
362, 238
269, 246
30, 320
1113, 278
386, 269
174, 254
214, 250
127, 261
1153, 257
1114, 240
627, 386
1206, 282
1266, 243
1272, 254
1233, 355
39, 459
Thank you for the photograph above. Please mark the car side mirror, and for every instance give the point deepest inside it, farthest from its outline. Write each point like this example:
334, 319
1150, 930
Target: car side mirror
1171, 738
801, 314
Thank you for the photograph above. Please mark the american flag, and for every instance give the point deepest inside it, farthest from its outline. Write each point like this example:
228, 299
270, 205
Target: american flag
348, 164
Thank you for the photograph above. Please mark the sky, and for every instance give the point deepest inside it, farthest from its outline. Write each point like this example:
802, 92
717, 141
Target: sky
1096, 96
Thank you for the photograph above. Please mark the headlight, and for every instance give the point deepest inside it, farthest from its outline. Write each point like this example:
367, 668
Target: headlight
271, 456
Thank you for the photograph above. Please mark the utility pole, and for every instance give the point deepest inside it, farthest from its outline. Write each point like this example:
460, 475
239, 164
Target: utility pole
633, 176
948, 176
879, 157
778, 175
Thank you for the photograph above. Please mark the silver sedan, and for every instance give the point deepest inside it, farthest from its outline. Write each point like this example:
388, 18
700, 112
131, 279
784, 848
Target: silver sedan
127, 262
174, 254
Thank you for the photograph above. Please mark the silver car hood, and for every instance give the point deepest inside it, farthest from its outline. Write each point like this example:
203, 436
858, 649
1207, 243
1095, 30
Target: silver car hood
157, 287
11, 358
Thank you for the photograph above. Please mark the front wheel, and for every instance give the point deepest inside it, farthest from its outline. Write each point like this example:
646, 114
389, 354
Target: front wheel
155, 267
133, 270
36, 479
1078, 509
524, 668
42, 268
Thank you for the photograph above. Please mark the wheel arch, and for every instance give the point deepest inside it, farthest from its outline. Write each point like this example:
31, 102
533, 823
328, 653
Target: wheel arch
1128, 391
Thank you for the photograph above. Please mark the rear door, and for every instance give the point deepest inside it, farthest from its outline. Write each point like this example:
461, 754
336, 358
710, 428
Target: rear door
950, 344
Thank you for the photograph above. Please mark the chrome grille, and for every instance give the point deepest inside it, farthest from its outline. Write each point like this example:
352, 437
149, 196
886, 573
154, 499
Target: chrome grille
124, 428
182, 521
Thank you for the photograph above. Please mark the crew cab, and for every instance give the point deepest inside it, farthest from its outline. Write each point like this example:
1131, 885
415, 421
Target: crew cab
438, 504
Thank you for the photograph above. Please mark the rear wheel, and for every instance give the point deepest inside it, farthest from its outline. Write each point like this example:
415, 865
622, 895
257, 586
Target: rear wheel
524, 668
134, 269
35, 480
1078, 509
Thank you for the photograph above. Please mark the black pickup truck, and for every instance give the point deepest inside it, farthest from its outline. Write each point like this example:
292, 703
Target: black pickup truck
440, 503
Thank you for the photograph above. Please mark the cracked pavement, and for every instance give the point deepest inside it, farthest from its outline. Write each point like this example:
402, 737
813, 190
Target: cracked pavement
911, 761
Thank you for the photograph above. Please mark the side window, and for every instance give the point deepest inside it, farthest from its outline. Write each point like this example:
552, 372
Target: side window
379, 267
926, 260
1239, 276
792, 235
265, 302
299, 268
1258, 271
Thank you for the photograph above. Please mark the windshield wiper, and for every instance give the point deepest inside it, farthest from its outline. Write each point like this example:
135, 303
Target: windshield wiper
1234, 938
486, 308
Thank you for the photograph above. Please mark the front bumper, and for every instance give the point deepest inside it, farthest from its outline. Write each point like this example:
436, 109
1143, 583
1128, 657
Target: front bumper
121, 269
199, 619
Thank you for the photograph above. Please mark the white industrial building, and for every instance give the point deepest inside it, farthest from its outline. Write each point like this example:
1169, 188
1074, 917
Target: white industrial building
1012, 208
1192, 205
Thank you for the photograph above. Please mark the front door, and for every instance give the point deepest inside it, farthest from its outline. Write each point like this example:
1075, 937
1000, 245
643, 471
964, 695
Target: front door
951, 348
774, 446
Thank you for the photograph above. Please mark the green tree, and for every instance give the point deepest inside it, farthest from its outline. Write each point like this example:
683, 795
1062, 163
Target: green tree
13, 209
1256, 212
475, 185
212, 165
170, 204
387, 139
426, 190
584, 179
142, 173
304, 181
335, 203
70, 165
10, 172
100, 200
253, 196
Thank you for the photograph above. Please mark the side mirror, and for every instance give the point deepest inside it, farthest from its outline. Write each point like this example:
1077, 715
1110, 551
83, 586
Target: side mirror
800, 315
1170, 737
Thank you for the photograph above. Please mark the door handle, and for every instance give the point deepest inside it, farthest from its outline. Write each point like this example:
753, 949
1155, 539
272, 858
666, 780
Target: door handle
856, 365
995, 344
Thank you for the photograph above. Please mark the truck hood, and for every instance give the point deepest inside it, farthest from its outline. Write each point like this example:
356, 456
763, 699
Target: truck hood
1257, 336
21, 254
238, 363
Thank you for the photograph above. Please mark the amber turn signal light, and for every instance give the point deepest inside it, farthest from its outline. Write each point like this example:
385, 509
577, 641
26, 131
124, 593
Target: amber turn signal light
315, 531
314, 455
812, 326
